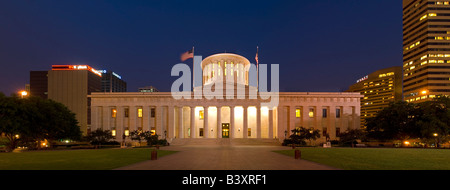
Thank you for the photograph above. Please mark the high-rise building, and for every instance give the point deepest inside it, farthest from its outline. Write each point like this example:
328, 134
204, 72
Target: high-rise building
426, 49
39, 83
71, 85
112, 82
379, 89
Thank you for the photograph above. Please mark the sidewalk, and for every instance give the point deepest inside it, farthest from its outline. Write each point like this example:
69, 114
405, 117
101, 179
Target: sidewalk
217, 157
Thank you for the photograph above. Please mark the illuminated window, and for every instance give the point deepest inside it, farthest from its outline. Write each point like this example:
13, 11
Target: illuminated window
298, 113
139, 112
200, 114
432, 14
311, 112
113, 113
423, 17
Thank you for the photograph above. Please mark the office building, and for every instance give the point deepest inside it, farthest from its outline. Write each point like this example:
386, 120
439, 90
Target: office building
426, 49
112, 82
71, 85
39, 84
379, 89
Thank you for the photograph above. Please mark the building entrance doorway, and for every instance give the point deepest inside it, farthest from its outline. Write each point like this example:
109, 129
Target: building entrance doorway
225, 130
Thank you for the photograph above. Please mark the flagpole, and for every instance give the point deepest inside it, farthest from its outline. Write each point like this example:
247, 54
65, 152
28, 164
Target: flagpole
257, 69
193, 69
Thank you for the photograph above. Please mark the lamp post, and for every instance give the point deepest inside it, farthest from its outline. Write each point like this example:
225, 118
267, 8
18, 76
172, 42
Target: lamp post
436, 139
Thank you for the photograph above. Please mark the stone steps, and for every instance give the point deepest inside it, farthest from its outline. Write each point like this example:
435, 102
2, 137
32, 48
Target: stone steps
225, 141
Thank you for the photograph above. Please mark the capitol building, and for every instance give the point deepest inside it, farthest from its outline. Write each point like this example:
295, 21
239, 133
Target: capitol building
231, 108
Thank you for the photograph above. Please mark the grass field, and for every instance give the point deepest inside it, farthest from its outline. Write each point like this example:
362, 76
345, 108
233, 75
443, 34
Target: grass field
377, 158
94, 159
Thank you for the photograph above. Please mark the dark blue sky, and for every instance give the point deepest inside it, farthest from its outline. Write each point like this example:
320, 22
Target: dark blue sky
321, 45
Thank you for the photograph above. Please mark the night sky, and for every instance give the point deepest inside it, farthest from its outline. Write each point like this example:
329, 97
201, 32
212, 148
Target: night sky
320, 45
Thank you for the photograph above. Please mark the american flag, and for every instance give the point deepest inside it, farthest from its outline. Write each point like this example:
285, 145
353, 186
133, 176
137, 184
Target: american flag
187, 55
256, 57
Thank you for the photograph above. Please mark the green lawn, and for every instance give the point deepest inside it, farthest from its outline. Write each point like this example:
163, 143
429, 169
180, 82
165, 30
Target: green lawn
94, 159
377, 158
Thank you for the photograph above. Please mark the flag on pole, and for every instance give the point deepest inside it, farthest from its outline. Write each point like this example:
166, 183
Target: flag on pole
187, 55
257, 68
256, 57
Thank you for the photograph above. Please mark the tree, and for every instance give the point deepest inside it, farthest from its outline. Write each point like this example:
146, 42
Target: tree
33, 119
11, 120
434, 123
49, 120
99, 137
300, 134
138, 135
350, 136
397, 121
311, 134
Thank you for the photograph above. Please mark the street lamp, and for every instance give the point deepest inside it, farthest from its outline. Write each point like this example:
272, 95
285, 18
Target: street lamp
23, 93
436, 140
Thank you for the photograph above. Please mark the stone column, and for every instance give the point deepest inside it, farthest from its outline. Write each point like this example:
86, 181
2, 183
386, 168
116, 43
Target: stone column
245, 118
291, 120
219, 122
94, 117
231, 133
270, 123
180, 122
133, 117
205, 122
159, 118
258, 121
119, 122
305, 117
146, 118
193, 134
171, 122
331, 122
106, 117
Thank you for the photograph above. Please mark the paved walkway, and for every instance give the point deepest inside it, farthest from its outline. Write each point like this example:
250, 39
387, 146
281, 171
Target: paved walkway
217, 157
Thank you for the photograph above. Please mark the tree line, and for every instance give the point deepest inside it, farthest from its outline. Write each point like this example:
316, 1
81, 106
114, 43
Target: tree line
29, 121
426, 121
